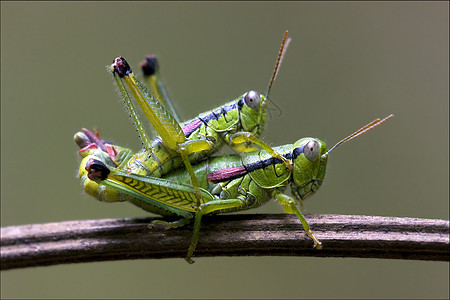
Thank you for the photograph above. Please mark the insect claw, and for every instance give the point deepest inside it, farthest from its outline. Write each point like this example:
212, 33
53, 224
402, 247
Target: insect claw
159, 225
289, 165
317, 243
190, 260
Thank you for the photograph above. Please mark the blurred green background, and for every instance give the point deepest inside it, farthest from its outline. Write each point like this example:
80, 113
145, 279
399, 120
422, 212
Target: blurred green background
348, 63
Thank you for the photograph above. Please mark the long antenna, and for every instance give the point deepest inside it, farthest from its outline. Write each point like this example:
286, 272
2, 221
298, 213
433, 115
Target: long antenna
284, 44
360, 131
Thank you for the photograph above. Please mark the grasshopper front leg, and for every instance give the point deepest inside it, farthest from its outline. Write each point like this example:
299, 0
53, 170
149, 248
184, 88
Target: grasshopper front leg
245, 137
289, 204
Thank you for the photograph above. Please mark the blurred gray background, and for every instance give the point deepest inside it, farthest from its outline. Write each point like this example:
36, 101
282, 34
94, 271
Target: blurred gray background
348, 63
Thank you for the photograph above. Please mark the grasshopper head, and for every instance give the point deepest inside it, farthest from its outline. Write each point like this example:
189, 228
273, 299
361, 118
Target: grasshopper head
310, 157
253, 111
310, 161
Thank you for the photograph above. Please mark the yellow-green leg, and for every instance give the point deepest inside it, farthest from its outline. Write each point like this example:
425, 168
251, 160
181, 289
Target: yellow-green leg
170, 225
243, 137
285, 200
192, 146
163, 122
207, 208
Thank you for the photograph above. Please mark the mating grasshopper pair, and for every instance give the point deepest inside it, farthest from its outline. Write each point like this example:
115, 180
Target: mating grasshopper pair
155, 180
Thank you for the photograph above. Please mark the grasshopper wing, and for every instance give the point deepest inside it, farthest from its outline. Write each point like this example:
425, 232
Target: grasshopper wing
158, 192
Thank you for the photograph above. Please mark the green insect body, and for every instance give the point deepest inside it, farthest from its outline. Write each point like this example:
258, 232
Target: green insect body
238, 123
227, 183
234, 183
218, 131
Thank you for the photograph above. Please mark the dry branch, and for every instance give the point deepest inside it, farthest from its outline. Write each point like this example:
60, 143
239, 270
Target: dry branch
225, 235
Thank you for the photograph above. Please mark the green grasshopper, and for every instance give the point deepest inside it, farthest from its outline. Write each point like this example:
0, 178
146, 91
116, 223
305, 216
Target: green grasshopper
237, 123
227, 183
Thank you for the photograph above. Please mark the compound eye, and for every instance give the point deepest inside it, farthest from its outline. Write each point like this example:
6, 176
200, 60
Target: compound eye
312, 150
252, 99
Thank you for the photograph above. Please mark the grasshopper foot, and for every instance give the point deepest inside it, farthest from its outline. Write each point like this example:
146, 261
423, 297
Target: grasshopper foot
168, 225
318, 246
317, 243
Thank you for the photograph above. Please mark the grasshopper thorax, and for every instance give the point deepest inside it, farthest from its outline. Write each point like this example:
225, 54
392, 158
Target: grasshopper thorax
309, 166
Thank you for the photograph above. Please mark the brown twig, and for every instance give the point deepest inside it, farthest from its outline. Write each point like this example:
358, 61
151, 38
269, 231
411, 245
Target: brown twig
225, 235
